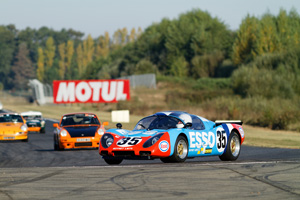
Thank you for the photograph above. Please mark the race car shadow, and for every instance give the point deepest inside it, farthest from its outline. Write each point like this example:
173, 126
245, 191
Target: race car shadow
12, 141
68, 150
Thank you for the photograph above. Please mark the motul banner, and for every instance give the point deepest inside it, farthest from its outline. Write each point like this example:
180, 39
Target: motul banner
90, 91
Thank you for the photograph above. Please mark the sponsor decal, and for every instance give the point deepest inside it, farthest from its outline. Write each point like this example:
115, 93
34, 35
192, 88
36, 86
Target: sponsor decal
90, 91
129, 141
208, 151
163, 146
198, 139
203, 139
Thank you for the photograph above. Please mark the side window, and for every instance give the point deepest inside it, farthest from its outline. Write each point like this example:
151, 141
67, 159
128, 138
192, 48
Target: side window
197, 123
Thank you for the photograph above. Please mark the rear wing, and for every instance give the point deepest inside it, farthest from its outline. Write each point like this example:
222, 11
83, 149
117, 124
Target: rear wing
219, 122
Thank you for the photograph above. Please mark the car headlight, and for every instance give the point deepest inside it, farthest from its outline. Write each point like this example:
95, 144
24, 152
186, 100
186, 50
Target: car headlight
63, 133
100, 131
24, 128
107, 140
151, 141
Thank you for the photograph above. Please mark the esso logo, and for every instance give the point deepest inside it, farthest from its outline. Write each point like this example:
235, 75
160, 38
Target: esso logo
163, 146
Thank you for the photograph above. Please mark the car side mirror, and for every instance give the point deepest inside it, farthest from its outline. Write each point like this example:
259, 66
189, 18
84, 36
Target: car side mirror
55, 125
119, 125
189, 124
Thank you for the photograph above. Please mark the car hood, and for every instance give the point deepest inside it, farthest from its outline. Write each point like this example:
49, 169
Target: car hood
136, 133
10, 127
82, 131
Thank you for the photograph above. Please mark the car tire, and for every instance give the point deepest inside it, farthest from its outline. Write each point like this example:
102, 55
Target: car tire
180, 151
112, 160
56, 145
233, 148
26, 140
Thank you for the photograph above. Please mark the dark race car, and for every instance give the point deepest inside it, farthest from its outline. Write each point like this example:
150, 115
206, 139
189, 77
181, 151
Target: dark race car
34, 121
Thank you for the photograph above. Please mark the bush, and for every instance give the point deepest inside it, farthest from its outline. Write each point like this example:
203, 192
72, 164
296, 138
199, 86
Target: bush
251, 81
274, 113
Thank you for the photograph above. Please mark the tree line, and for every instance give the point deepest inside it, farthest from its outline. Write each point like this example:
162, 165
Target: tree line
264, 50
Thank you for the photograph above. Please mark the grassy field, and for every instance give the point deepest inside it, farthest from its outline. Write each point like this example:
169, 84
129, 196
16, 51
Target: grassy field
255, 136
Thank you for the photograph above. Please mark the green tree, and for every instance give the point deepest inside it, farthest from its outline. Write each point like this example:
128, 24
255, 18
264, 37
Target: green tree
7, 47
79, 58
245, 43
40, 65
88, 50
268, 41
132, 36
22, 68
62, 65
49, 52
102, 48
69, 55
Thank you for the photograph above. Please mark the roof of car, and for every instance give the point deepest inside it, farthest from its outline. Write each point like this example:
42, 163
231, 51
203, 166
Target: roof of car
9, 113
30, 113
89, 113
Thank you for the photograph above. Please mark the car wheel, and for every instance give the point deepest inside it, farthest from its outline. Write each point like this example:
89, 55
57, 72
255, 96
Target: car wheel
26, 140
113, 161
180, 151
233, 148
56, 145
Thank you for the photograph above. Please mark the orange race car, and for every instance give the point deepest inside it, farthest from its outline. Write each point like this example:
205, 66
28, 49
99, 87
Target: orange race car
13, 127
78, 130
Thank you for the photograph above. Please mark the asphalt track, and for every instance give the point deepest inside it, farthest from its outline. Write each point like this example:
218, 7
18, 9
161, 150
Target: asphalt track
34, 170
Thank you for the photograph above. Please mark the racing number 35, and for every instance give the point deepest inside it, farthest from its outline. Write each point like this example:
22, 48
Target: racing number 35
129, 141
221, 137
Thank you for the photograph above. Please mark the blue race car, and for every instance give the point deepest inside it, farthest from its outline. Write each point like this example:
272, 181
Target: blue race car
173, 136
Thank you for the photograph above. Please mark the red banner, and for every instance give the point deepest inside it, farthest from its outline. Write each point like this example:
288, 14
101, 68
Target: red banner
90, 91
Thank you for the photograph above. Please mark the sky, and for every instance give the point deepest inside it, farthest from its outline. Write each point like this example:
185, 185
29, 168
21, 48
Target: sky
97, 16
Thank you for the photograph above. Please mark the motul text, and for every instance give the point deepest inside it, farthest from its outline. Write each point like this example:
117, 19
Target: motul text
90, 91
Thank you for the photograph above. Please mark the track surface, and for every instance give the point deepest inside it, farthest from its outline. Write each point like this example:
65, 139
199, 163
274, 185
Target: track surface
34, 170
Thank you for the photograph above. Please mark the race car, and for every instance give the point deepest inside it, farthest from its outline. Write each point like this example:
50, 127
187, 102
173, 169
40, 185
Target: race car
34, 121
173, 136
13, 127
78, 130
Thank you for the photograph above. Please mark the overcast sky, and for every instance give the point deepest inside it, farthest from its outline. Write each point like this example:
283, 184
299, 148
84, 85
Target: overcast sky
97, 16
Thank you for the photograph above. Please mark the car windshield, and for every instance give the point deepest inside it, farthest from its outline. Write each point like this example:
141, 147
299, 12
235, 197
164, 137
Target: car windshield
157, 122
10, 118
31, 117
79, 119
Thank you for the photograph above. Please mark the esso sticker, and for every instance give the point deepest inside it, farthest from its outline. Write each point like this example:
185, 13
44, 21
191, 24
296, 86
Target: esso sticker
129, 141
163, 146
221, 139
